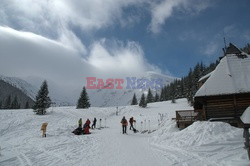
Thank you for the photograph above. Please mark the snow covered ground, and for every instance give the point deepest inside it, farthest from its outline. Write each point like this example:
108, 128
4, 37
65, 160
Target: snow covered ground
203, 143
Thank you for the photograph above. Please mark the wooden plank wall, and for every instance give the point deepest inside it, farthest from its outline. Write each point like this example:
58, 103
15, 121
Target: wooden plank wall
226, 106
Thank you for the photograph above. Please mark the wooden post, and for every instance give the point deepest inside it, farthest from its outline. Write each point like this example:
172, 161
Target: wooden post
246, 136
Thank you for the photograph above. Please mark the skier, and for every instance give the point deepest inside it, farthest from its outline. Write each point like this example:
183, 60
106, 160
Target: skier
43, 128
86, 127
131, 121
94, 123
80, 123
124, 123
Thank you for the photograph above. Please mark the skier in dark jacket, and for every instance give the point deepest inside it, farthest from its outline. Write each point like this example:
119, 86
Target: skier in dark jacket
131, 121
94, 123
124, 123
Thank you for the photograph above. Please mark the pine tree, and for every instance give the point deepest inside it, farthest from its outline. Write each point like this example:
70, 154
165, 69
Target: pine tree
7, 103
15, 104
83, 101
42, 100
143, 102
162, 96
157, 98
27, 106
1, 103
134, 100
173, 100
246, 48
150, 97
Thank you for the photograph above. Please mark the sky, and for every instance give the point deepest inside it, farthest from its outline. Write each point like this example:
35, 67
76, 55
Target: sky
67, 40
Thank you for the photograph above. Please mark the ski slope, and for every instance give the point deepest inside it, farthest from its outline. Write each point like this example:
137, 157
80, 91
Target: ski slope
203, 143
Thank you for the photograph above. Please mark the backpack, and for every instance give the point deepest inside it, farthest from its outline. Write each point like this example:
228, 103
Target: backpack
124, 121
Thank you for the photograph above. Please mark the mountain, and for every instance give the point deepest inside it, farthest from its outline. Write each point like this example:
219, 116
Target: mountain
98, 97
121, 97
7, 89
22, 85
30, 86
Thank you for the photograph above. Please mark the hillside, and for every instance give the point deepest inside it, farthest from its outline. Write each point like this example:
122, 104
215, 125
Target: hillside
7, 89
22, 85
203, 143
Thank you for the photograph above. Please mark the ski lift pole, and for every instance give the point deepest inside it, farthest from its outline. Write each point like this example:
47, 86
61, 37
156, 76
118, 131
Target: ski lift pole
145, 125
116, 113
100, 123
105, 122
141, 125
149, 126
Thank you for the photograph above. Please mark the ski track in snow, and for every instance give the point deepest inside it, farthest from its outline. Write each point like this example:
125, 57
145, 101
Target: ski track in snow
21, 142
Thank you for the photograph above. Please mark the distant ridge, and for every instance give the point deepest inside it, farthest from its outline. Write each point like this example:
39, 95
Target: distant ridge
7, 89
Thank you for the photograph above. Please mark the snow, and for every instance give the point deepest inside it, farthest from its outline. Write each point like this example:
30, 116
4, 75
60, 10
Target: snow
231, 76
203, 143
245, 117
205, 76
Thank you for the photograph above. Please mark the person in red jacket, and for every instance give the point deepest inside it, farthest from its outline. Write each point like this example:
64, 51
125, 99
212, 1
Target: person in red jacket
86, 127
124, 123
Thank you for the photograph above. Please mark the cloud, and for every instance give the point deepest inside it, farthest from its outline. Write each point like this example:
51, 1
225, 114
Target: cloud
50, 18
27, 55
118, 58
211, 48
163, 10
58, 19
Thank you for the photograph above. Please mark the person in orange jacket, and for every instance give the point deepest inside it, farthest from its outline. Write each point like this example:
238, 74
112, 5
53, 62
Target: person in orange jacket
124, 123
86, 127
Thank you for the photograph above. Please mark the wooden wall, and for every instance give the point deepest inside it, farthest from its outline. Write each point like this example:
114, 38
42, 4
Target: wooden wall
224, 105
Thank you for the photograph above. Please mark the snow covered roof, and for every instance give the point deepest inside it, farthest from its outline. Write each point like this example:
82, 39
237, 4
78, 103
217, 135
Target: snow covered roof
231, 76
205, 76
245, 117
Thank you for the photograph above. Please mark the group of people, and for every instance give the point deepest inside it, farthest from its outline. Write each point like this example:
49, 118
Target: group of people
124, 123
85, 128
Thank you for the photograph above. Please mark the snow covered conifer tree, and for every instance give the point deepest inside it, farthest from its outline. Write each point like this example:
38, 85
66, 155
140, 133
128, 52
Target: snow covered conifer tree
157, 98
27, 106
83, 101
143, 102
42, 100
7, 103
134, 100
150, 97
15, 104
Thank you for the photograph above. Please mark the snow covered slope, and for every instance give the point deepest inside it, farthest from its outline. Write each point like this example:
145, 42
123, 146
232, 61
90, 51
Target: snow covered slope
203, 143
24, 86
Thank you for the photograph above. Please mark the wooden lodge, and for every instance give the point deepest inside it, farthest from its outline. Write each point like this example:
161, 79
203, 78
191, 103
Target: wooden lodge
224, 94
